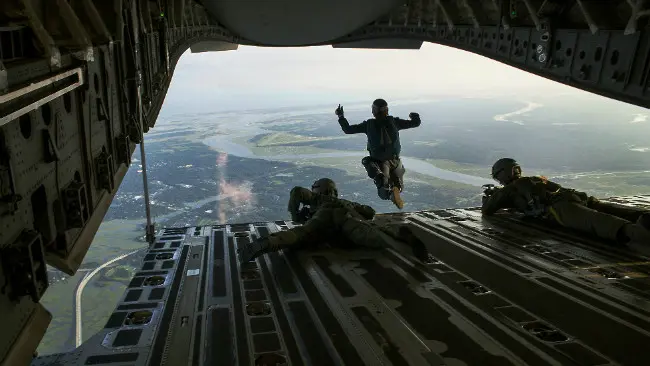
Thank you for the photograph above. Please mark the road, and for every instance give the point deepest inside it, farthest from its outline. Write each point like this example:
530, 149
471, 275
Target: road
80, 289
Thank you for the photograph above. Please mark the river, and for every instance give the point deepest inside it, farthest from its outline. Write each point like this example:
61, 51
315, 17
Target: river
225, 144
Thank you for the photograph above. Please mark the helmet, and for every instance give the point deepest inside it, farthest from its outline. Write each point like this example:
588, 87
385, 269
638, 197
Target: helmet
379, 108
505, 170
326, 187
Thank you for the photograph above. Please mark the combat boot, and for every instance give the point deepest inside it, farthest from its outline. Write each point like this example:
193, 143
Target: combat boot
396, 197
644, 221
250, 251
420, 250
271, 243
637, 234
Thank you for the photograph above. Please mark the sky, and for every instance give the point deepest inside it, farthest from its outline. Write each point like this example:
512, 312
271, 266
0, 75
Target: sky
254, 77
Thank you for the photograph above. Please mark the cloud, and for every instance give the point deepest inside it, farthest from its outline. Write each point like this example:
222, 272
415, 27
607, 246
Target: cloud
640, 118
253, 77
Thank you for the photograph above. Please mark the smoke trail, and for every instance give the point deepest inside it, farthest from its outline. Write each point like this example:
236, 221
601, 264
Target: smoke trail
233, 195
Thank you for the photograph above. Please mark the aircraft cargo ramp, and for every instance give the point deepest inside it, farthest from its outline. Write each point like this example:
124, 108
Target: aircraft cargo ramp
501, 291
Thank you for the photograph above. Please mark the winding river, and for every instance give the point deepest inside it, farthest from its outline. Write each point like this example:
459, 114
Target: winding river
226, 144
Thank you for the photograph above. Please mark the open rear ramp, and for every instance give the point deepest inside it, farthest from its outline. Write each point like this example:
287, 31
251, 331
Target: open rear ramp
500, 292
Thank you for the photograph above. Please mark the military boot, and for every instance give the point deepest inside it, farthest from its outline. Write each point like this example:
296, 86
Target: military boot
382, 186
250, 251
271, 243
383, 193
420, 250
637, 234
396, 197
644, 221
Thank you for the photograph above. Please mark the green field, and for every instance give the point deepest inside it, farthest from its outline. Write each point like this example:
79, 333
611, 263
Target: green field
351, 166
275, 144
610, 184
599, 184
59, 300
469, 169
288, 150
98, 303
205, 222
283, 138
119, 273
113, 239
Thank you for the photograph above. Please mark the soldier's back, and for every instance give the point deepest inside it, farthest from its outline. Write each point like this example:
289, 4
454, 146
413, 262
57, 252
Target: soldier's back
530, 185
530, 194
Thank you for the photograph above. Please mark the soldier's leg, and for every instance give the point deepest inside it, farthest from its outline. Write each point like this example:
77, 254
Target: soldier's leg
403, 233
373, 167
363, 233
313, 228
628, 213
397, 173
370, 235
582, 218
396, 177
384, 191
379, 174
358, 231
382, 180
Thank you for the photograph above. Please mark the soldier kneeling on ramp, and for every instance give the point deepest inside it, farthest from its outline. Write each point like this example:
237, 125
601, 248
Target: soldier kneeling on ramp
327, 218
539, 197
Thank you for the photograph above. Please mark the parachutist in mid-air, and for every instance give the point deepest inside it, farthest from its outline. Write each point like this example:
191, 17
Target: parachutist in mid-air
539, 197
333, 220
383, 165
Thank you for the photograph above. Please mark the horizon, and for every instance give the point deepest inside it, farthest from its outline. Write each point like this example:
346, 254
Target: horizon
252, 78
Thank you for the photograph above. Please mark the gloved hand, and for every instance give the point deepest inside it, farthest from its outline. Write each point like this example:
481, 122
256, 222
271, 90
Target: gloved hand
488, 189
339, 111
303, 215
414, 115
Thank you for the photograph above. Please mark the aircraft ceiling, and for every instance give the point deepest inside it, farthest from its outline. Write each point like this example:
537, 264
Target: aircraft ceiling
296, 22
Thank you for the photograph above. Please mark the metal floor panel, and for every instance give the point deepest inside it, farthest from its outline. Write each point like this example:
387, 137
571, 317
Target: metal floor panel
500, 291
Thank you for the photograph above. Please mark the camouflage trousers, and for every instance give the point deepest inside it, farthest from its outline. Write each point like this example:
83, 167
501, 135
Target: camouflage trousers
338, 227
604, 220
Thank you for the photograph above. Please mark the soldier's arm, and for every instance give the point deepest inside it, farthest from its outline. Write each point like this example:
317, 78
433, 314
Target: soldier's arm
350, 129
297, 196
552, 186
403, 124
498, 200
366, 211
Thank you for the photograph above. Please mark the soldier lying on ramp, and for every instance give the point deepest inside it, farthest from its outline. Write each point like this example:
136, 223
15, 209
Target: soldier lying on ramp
539, 197
327, 218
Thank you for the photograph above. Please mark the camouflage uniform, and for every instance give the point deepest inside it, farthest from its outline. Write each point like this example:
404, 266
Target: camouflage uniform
329, 219
539, 197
